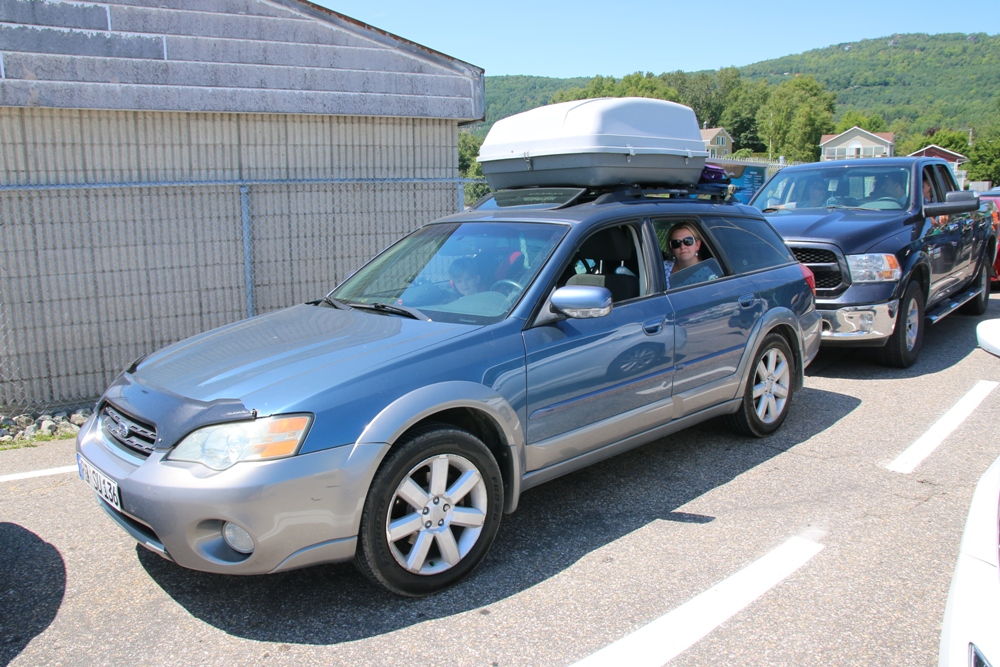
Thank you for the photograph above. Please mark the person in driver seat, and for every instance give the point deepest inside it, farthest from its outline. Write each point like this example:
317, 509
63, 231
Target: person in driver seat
890, 186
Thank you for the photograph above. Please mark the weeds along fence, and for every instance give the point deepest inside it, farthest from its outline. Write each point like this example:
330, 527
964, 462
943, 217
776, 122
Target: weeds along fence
93, 276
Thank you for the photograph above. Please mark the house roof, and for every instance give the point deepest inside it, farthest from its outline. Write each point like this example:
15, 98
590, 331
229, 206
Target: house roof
712, 132
256, 56
938, 151
887, 137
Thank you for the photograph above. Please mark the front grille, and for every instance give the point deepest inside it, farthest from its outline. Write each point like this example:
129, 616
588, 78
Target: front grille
128, 432
827, 279
826, 267
815, 256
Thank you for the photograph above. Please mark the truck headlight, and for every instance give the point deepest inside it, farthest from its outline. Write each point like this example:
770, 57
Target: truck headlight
876, 268
224, 445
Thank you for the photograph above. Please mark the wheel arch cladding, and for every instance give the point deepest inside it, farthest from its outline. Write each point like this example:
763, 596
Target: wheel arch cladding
469, 406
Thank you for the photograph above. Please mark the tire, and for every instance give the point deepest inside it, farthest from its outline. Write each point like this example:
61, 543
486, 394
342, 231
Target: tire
768, 394
979, 305
432, 512
903, 347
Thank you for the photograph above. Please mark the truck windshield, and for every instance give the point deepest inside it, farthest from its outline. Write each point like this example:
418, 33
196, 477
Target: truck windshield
874, 188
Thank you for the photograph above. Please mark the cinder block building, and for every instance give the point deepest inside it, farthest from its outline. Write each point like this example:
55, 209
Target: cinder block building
168, 166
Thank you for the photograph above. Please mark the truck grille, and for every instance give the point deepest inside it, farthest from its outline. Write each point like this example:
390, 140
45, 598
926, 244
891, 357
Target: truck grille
826, 267
128, 432
815, 256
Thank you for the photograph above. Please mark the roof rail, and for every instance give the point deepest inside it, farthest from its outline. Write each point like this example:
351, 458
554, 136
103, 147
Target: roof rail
722, 192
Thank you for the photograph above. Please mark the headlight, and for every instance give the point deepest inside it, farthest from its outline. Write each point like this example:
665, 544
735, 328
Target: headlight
873, 268
224, 445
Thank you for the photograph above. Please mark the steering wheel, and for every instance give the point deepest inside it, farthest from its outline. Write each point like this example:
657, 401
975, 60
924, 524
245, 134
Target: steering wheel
506, 287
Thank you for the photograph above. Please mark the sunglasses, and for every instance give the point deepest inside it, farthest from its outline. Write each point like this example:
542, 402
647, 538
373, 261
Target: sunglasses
676, 243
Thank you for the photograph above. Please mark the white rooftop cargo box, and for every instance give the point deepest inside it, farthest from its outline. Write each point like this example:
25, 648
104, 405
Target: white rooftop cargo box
594, 143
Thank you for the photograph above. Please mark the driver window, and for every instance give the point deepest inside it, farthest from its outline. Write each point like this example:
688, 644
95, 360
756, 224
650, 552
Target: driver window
688, 258
931, 191
611, 258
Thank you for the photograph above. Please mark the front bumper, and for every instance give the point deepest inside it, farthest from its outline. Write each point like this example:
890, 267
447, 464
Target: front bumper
300, 511
859, 325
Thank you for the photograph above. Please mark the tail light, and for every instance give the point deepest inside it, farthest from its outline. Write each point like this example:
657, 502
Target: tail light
810, 278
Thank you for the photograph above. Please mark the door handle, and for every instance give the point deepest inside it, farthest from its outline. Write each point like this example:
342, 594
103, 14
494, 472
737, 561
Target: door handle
747, 300
653, 327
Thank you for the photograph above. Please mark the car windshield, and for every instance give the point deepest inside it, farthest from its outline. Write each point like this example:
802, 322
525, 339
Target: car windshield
453, 272
875, 188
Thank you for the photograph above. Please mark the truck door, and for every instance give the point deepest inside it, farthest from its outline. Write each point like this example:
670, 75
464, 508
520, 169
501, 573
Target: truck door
941, 238
965, 255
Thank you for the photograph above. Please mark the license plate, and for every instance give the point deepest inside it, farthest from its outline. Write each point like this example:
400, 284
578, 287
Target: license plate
105, 487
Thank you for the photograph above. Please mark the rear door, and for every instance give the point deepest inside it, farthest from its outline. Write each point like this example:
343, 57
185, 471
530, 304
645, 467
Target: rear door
712, 317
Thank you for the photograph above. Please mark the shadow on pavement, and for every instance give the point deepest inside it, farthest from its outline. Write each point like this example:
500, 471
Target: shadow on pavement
32, 586
555, 525
945, 344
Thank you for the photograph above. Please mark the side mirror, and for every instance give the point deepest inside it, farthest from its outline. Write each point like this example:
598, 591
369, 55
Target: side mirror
582, 301
958, 201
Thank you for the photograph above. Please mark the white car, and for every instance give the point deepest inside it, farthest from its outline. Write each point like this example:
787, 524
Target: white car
970, 634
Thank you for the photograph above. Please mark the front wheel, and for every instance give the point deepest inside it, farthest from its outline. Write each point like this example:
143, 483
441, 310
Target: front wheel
768, 393
432, 512
907, 339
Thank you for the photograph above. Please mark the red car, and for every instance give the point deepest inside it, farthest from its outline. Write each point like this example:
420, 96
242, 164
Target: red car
993, 198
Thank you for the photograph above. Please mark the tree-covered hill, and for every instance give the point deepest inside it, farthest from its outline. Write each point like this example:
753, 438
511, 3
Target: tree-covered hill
922, 81
942, 89
949, 80
508, 95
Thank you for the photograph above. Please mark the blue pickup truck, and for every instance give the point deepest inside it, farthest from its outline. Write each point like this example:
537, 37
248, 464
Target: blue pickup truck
892, 242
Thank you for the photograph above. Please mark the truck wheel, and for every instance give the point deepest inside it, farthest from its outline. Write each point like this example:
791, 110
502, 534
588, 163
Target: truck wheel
768, 392
432, 512
979, 305
907, 339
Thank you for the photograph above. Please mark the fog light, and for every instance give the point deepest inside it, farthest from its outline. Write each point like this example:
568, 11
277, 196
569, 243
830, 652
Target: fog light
237, 538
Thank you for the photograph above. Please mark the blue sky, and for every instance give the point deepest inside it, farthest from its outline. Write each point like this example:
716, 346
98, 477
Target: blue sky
587, 37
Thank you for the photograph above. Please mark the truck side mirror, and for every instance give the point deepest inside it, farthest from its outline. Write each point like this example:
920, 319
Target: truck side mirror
958, 201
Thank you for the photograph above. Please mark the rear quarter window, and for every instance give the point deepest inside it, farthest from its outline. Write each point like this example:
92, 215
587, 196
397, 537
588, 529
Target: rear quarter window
749, 244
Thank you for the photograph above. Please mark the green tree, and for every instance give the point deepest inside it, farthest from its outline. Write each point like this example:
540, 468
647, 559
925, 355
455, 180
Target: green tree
632, 85
469, 167
953, 140
795, 117
854, 118
468, 150
851, 118
740, 114
984, 156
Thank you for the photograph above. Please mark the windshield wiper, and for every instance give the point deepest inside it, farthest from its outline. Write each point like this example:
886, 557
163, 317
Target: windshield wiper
334, 303
405, 311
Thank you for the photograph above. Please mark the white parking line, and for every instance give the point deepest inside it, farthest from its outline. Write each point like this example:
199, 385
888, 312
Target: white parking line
38, 473
673, 633
914, 455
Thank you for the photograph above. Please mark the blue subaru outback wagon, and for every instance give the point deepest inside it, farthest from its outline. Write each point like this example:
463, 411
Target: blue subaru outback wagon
396, 420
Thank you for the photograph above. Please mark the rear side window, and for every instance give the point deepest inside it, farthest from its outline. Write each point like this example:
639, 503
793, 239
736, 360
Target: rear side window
749, 244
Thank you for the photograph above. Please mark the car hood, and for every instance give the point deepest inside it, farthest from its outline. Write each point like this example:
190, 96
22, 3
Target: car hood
851, 230
277, 359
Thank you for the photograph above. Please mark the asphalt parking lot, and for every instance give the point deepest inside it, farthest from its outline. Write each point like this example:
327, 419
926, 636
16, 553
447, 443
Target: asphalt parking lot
587, 560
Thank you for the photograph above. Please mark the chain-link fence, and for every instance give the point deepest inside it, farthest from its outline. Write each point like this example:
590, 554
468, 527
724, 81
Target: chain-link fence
93, 276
